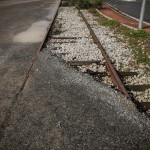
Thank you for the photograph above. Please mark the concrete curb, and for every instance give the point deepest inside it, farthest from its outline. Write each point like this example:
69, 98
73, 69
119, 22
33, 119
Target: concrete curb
112, 19
126, 15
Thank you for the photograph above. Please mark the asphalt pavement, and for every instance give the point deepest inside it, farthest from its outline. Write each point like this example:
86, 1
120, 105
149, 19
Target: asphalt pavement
22, 27
61, 108
132, 8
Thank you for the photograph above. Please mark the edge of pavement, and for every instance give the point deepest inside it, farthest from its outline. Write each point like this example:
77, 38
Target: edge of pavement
29, 71
126, 15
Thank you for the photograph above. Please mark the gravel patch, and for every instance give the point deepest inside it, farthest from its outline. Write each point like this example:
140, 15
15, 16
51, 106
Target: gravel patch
83, 48
121, 56
63, 109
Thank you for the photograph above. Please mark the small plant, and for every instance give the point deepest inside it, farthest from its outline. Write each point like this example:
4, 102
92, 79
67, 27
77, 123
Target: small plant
85, 4
121, 64
72, 2
94, 12
111, 23
137, 34
56, 30
137, 40
96, 3
141, 57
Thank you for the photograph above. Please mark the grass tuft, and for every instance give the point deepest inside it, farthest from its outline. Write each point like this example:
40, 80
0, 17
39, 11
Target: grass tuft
85, 4
140, 56
111, 23
138, 40
94, 12
57, 28
137, 34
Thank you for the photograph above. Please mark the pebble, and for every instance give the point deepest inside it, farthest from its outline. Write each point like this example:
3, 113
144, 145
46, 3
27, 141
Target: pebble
83, 48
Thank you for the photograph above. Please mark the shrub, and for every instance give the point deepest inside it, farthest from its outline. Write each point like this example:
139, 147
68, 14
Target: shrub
85, 4
96, 3
72, 2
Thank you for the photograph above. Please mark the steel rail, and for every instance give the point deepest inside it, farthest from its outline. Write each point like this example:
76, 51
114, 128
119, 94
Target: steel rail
113, 74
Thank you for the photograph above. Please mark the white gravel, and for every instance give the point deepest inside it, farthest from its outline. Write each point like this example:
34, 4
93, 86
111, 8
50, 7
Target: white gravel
121, 56
83, 47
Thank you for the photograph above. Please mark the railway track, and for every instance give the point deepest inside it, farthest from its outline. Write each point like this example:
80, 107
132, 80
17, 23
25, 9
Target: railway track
74, 47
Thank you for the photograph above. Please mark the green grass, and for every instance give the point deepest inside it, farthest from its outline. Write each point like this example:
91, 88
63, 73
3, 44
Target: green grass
111, 23
103, 21
137, 33
94, 12
56, 29
138, 40
141, 57
56, 32
85, 4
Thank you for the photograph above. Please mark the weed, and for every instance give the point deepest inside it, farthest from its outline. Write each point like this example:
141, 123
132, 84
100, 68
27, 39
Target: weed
137, 33
72, 2
94, 12
96, 3
56, 30
140, 56
121, 64
85, 4
78, 14
111, 23
137, 40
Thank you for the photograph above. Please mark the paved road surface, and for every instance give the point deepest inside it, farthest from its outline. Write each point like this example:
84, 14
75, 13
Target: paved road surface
63, 109
22, 27
131, 8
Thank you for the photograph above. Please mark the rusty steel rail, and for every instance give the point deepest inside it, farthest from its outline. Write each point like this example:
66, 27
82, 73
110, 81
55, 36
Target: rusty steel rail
113, 74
